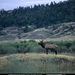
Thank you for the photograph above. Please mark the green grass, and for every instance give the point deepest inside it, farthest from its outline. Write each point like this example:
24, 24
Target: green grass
37, 63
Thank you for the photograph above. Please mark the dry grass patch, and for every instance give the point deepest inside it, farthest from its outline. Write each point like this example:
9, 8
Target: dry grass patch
4, 61
37, 63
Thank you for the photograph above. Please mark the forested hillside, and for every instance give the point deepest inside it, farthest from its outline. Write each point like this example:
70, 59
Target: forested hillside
39, 15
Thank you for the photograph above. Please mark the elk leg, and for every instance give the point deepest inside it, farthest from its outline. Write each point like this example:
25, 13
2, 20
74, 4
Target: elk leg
55, 51
46, 51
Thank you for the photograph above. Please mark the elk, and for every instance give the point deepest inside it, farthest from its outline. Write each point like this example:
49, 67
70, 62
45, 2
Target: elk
48, 46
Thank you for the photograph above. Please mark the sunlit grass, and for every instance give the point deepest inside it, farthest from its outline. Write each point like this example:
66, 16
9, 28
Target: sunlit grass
37, 63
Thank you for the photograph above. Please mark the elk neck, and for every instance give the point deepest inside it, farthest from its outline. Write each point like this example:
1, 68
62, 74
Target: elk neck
42, 44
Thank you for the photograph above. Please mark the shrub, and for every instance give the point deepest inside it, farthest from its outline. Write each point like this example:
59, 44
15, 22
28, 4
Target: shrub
7, 48
32, 40
61, 49
1, 50
67, 43
32, 46
72, 48
23, 41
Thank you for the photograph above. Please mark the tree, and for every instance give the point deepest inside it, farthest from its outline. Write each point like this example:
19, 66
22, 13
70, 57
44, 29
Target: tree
26, 29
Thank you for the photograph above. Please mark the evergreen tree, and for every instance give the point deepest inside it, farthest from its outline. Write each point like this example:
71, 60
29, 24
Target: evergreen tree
39, 15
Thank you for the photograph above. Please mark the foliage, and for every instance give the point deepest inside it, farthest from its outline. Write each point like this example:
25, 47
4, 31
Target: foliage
32, 40
32, 46
39, 15
7, 48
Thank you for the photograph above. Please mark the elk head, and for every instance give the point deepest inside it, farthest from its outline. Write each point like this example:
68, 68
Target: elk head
41, 42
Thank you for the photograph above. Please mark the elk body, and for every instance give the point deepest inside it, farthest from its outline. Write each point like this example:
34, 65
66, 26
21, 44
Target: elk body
48, 46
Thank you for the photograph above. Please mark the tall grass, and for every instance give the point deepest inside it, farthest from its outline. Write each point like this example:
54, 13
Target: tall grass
37, 63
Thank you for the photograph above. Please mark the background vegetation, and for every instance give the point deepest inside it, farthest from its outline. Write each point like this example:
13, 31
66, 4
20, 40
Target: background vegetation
39, 15
32, 47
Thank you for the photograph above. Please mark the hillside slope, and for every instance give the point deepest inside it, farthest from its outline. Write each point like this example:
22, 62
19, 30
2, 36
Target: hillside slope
39, 15
63, 31
29, 63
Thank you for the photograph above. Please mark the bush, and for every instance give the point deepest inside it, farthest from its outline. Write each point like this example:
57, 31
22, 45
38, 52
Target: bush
7, 48
32, 40
72, 48
32, 46
1, 50
68, 44
23, 41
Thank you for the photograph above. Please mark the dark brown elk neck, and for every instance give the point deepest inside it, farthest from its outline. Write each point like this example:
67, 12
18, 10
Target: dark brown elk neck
43, 45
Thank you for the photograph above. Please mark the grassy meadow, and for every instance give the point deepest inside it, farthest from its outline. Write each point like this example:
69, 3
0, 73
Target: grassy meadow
29, 57
37, 63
